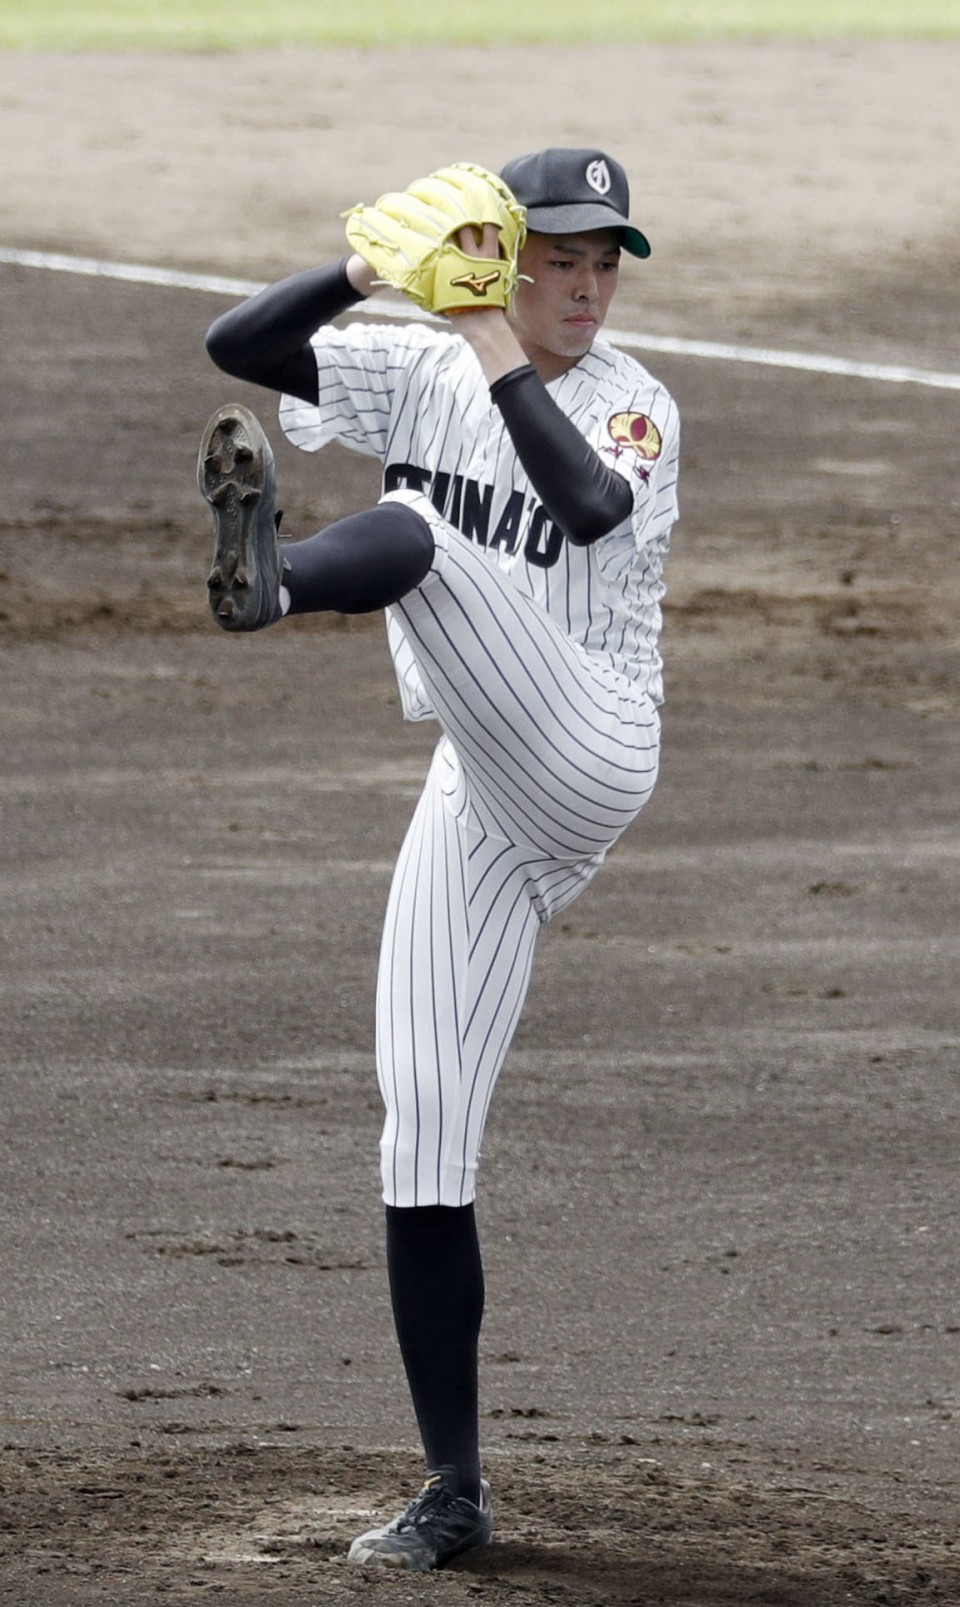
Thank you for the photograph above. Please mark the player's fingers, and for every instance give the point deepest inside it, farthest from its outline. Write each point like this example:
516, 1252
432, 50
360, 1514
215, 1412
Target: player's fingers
484, 242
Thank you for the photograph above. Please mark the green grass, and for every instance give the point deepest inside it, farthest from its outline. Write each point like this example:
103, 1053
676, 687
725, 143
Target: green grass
216, 24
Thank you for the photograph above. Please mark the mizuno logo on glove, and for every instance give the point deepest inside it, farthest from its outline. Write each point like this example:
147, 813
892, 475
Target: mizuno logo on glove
477, 284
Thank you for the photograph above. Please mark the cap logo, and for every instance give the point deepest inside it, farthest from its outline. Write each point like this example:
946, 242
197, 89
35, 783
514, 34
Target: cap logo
598, 177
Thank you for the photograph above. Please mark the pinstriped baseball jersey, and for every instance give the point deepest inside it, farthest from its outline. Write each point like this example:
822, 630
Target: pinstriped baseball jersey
415, 397
540, 661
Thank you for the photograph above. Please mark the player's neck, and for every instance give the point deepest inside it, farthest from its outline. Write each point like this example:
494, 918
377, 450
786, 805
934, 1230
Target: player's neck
549, 366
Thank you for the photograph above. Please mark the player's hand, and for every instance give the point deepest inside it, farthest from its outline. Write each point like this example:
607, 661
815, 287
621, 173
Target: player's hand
362, 277
485, 244
487, 329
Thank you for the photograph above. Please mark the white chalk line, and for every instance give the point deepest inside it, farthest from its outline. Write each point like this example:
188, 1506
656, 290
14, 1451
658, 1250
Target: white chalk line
767, 357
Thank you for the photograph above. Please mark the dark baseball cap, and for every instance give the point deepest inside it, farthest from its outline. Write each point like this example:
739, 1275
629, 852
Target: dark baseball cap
570, 192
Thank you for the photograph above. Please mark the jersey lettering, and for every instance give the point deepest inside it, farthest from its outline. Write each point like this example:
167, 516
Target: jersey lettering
475, 511
542, 553
405, 477
439, 491
507, 533
468, 504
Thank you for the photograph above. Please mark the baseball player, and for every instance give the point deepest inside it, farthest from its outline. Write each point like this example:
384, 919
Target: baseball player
529, 489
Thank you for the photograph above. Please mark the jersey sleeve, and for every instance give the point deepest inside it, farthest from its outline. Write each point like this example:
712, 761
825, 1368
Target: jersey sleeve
359, 370
651, 462
639, 437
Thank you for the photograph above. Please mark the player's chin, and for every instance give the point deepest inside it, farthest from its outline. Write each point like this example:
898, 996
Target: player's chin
578, 337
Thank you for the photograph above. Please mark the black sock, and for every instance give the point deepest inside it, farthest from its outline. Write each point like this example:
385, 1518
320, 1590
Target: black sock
436, 1285
360, 564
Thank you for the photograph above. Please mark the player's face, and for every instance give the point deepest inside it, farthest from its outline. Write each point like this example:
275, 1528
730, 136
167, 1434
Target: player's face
556, 317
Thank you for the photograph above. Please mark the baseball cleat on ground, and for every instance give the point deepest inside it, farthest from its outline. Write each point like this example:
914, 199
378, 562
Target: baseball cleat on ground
439, 1524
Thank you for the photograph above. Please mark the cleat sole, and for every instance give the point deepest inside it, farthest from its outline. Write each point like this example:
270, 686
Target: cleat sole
235, 474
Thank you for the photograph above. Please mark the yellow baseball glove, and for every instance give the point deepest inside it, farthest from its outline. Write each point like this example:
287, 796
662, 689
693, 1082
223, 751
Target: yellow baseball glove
409, 238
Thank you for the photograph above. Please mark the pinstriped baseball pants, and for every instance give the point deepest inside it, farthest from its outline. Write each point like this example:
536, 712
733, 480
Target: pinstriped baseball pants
545, 758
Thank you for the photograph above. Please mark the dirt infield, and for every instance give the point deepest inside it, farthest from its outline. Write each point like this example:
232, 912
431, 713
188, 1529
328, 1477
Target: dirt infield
720, 1195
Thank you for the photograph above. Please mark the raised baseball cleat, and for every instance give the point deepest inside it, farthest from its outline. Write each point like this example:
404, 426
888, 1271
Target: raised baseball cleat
439, 1524
237, 478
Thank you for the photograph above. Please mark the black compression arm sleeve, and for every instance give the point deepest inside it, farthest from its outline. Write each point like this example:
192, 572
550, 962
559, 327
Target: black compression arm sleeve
585, 498
266, 340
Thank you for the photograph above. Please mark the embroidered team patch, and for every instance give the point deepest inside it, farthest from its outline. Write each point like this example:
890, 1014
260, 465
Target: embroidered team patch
636, 432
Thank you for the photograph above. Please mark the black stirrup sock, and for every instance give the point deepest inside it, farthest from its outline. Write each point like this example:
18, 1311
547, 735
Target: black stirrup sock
361, 563
436, 1286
